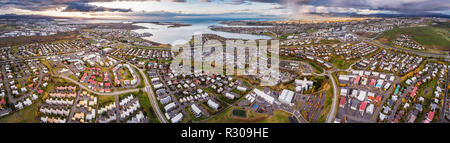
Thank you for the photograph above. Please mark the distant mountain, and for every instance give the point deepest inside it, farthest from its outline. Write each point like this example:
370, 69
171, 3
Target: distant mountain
14, 16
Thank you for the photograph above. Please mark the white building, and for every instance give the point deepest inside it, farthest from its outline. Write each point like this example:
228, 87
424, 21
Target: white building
213, 104
169, 107
304, 84
229, 95
196, 111
263, 95
178, 118
286, 97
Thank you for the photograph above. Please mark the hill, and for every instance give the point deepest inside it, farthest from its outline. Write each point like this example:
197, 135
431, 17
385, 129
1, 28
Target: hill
435, 38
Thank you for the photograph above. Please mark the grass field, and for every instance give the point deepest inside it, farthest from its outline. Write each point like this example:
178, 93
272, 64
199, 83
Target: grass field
188, 110
252, 117
7, 27
73, 77
329, 41
141, 84
284, 36
26, 115
317, 68
434, 38
326, 106
104, 100
340, 62
239, 113
220, 96
145, 104
427, 89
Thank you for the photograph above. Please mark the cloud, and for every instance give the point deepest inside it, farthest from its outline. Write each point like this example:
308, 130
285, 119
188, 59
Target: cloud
296, 6
177, 0
74, 5
402, 6
83, 7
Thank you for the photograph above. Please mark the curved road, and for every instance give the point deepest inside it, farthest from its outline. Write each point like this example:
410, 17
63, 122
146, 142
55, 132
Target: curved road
151, 97
148, 89
100, 93
332, 113
426, 54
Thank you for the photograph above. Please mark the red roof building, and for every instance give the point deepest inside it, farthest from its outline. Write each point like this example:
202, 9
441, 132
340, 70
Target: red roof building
342, 102
378, 99
372, 82
430, 116
363, 106
413, 93
357, 79
3, 101
84, 76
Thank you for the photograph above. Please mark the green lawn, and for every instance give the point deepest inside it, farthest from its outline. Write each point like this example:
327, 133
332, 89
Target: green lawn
104, 100
278, 117
329, 41
7, 27
188, 110
326, 106
432, 37
340, 62
145, 104
429, 86
142, 84
73, 77
284, 36
220, 96
317, 68
27, 115
252, 117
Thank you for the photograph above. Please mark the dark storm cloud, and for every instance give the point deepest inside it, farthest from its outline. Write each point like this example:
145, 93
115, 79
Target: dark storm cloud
405, 6
83, 7
73, 5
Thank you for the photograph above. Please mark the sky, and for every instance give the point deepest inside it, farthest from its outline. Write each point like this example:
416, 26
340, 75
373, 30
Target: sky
197, 9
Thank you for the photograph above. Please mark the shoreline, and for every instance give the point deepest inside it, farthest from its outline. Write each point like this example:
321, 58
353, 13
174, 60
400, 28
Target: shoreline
171, 24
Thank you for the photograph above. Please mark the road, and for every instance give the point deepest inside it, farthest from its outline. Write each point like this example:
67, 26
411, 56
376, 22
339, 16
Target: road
332, 113
147, 89
442, 117
151, 96
100, 93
